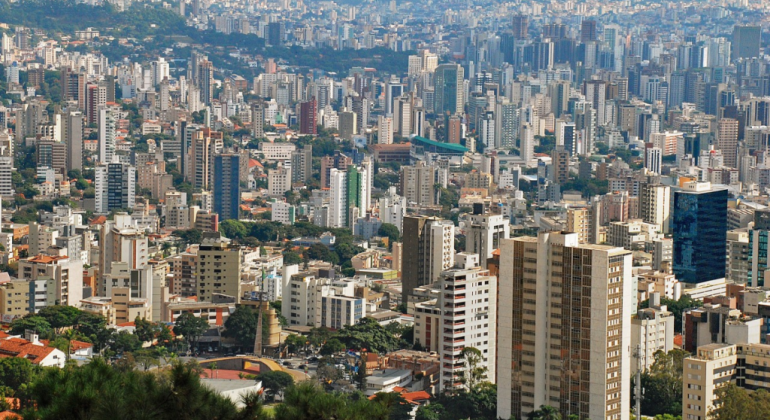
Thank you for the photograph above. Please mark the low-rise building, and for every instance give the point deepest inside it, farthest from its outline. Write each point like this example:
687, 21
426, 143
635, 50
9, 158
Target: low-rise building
387, 380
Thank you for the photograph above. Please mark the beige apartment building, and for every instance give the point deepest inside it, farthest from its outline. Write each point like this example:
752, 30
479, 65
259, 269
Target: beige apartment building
563, 327
219, 269
711, 368
579, 221
714, 366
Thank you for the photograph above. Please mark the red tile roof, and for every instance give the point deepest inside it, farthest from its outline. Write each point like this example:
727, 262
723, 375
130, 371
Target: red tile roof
17, 347
415, 397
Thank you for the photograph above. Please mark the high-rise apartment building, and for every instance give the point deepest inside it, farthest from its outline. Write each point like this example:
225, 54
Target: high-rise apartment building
520, 26
204, 145
72, 129
757, 256
727, 141
652, 330
308, 115
227, 186
219, 268
302, 164
257, 120
279, 181
653, 160
428, 250
563, 327
579, 221
335, 161
348, 123
96, 97
483, 233
588, 31
699, 222
746, 41
560, 162
114, 187
205, 81
384, 129
107, 133
461, 316
454, 129
416, 183
655, 205
66, 272
449, 85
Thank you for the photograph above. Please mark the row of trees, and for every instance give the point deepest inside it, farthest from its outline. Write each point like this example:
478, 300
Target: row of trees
100, 391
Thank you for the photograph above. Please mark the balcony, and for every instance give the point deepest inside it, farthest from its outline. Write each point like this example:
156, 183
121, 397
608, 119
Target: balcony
454, 340
455, 323
458, 306
450, 331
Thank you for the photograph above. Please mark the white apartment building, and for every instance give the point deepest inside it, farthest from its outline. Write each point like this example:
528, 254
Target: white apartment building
279, 181
483, 233
652, 329
392, 208
299, 296
67, 273
336, 307
385, 129
462, 315
120, 242
655, 205
338, 195
277, 151
283, 212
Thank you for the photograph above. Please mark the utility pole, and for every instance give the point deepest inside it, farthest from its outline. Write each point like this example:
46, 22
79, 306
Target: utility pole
638, 382
258, 338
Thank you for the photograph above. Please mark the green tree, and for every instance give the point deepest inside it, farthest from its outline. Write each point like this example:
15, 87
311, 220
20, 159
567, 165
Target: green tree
434, 411
398, 408
369, 335
190, 327
125, 342
291, 257
321, 252
294, 343
60, 316
475, 371
663, 383
190, 236
308, 401
242, 326
275, 382
740, 404
233, 229
332, 347
15, 371
145, 330
390, 231
99, 391
34, 323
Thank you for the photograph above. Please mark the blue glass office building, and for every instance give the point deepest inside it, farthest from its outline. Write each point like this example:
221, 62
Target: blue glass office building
699, 226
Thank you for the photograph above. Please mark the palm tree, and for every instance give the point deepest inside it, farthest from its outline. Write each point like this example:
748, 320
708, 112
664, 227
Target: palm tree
213, 368
545, 412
